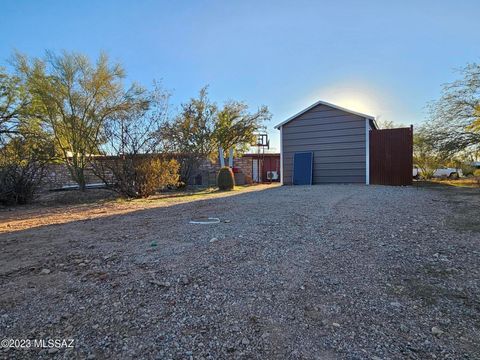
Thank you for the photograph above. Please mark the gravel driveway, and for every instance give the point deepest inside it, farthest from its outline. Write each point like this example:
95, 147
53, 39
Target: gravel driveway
321, 272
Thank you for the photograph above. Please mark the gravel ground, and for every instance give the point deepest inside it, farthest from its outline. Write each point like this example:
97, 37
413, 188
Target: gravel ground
322, 272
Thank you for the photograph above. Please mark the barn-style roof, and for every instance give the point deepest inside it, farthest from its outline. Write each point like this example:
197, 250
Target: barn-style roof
320, 102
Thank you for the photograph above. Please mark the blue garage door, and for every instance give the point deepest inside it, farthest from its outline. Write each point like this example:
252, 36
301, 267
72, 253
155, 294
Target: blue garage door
302, 168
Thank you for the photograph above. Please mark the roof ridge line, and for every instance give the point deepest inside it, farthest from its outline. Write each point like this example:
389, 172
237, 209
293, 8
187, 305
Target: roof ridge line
321, 102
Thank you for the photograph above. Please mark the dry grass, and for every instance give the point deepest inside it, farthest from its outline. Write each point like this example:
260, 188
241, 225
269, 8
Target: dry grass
464, 182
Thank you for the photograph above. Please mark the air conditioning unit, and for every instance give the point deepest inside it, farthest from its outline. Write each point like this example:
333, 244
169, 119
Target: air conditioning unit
272, 175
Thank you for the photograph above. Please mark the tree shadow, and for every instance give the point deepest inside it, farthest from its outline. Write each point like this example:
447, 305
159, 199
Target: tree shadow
34, 216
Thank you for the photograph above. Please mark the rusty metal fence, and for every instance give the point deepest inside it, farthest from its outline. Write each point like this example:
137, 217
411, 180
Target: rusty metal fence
391, 156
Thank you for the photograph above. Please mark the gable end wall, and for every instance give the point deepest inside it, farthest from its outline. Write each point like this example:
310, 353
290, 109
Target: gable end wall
337, 139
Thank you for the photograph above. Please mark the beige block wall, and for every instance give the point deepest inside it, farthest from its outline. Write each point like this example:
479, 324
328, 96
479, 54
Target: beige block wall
57, 175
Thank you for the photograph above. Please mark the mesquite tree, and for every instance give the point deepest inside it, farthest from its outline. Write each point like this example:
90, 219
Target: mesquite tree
235, 127
74, 98
454, 124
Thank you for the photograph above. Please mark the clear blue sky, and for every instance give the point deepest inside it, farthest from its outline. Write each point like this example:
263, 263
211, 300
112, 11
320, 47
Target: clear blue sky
377, 57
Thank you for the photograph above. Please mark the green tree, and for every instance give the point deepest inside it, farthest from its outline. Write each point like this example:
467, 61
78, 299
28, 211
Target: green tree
202, 131
235, 127
73, 98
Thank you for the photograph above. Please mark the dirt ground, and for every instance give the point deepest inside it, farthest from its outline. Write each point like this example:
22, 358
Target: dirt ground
320, 272
63, 207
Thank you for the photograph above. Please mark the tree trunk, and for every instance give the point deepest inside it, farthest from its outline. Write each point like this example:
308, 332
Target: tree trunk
220, 154
82, 184
230, 159
77, 174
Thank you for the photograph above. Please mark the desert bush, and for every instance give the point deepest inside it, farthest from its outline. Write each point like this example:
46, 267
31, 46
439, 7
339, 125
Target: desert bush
141, 176
155, 174
427, 173
424, 156
476, 173
225, 179
22, 169
19, 183
467, 170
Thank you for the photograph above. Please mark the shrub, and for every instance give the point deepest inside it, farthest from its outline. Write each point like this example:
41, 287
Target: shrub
225, 179
140, 176
476, 173
427, 173
19, 183
155, 174
22, 169
467, 170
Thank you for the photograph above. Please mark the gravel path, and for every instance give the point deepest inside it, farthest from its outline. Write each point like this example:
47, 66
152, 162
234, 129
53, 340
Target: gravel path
322, 272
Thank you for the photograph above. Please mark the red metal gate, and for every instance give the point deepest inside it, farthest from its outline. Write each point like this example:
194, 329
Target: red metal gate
391, 156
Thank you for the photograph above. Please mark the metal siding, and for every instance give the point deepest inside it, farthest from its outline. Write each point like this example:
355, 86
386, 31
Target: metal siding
327, 134
311, 138
335, 160
337, 173
336, 138
339, 166
318, 119
340, 179
341, 152
323, 127
334, 146
391, 156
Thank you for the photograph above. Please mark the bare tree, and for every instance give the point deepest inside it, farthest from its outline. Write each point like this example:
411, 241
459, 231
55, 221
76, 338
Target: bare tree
132, 165
190, 134
13, 102
387, 124
454, 123
136, 131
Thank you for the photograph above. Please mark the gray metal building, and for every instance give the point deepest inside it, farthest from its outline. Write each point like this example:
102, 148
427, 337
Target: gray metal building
338, 139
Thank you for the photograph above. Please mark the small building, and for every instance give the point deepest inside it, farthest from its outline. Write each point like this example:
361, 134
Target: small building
334, 139
265, 167
326, 143
248, 168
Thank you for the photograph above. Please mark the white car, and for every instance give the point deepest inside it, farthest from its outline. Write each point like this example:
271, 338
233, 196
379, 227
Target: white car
441, 172
448, 172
